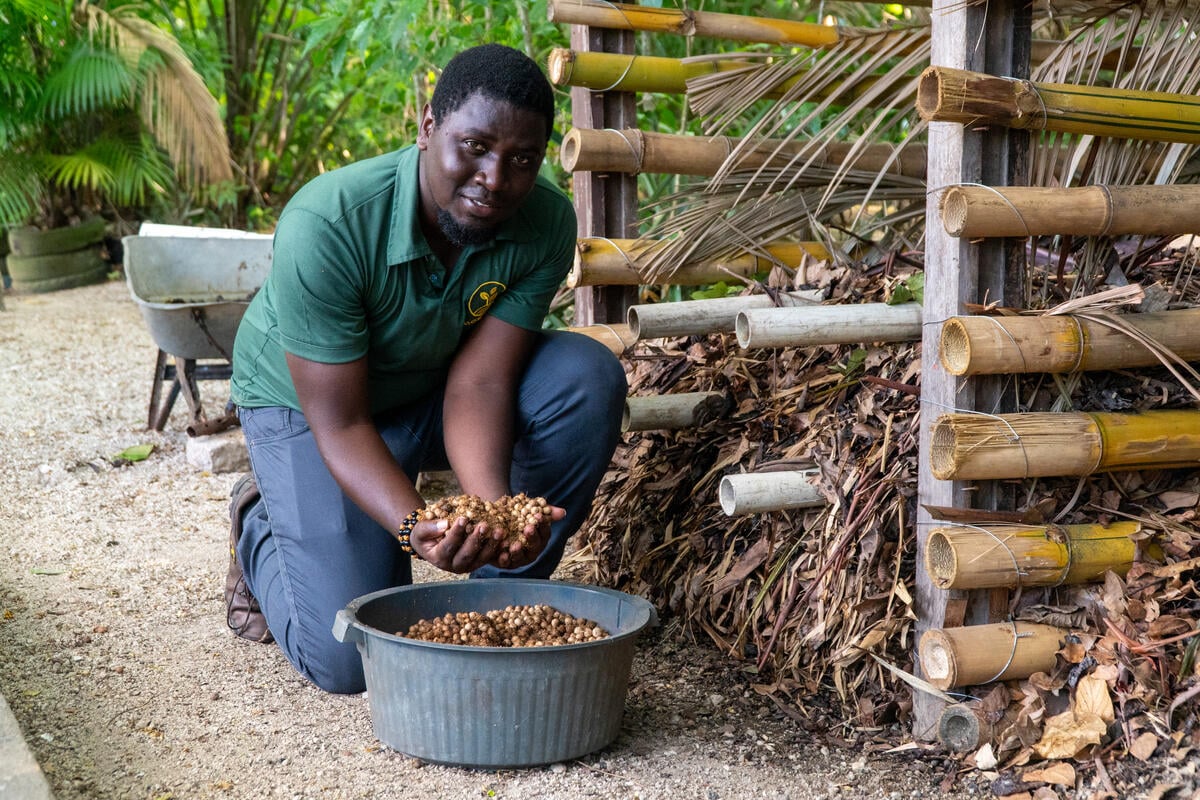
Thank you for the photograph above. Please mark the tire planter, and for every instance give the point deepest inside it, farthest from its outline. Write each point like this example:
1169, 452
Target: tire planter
59, 258
49, 273
5, 280
30, 241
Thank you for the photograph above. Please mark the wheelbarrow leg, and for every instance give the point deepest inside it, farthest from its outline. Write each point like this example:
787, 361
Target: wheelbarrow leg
185, 378
159, 411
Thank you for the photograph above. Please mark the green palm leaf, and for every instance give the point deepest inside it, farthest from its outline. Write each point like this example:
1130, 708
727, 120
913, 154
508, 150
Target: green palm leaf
21, 191
175, 105
91, 79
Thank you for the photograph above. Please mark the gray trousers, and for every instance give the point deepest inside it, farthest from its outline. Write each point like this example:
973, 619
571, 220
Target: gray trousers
307, 549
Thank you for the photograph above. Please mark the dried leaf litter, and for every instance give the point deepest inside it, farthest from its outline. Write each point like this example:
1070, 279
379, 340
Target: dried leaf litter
816, 603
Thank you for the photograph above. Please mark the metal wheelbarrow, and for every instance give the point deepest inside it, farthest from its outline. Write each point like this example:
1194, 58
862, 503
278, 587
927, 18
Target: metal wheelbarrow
192, 286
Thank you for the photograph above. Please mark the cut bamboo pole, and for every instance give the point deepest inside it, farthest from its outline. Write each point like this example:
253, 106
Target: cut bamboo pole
978, 654
991, 211
671, 411
983, 345
760, 492
851, 323
966, 447
625, 16
737, 27
994, 555
613, 262
699, 317
615, 72
963, 728
945, 94
633, 150
617, 337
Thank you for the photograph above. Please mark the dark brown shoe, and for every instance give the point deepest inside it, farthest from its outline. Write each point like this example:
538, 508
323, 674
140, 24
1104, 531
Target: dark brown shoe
242, 612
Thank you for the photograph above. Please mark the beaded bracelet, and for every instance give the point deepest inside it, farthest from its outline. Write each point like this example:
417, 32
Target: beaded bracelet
404, 535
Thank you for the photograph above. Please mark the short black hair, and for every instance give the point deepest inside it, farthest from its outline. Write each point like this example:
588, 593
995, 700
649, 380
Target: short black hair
500, 73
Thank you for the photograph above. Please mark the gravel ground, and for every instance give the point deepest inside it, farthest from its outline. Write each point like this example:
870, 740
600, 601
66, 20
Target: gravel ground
116, 661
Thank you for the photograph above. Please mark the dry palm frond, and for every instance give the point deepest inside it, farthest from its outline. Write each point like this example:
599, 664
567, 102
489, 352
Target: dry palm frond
176, 106
724, 222
869, 79
1158, 53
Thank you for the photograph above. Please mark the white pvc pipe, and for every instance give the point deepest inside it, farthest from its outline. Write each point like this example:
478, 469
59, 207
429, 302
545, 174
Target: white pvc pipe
670, 411
698, 317
852, 323
756, 492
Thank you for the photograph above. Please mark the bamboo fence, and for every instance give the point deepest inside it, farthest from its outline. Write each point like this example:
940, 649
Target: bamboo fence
945, 94
977, 654
966, 446
684, 22
615, 72
849, 323
1007, 555
635, 151
987, 345
614, 262
994, 211
745, 28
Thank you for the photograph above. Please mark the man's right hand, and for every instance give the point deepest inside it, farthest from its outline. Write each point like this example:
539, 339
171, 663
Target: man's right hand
454, 546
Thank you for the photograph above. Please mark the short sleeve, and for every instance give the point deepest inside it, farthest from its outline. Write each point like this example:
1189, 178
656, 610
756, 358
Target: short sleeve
527, 302
318, 285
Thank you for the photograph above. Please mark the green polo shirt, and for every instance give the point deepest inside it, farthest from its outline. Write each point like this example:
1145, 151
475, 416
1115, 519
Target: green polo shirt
353, 276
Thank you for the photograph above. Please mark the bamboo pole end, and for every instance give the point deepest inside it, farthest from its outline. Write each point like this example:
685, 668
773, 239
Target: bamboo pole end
954, 347
943, 445
560, 64
929, 93
568, 152
953, 206
938, 663
961, 729
941, 561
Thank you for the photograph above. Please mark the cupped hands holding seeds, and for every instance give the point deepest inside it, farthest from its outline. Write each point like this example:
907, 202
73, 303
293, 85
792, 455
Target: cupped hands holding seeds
464, 532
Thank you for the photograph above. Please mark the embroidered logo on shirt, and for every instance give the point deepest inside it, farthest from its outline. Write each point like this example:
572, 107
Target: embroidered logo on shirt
482, 299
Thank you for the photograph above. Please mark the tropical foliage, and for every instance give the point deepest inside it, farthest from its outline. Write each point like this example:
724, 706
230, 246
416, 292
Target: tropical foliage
97, 106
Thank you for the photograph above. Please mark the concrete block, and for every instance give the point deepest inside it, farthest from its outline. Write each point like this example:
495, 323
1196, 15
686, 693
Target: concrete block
219, 453
20, 775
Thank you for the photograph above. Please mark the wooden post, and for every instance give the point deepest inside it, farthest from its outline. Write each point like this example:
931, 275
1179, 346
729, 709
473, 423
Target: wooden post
606, 203
995, 38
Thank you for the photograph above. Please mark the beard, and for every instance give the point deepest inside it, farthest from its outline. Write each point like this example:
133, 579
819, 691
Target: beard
462, 235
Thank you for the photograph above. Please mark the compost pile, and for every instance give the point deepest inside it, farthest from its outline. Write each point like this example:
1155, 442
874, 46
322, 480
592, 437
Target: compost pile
802, 596
819, 604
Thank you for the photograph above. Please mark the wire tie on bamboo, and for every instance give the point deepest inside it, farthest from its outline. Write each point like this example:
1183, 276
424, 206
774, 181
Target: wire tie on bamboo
1031, 86
1012, 655
1062, 578
1013, 556
613, 331
617, 82
1011, 338
638, 150
1012, 206
1014, 439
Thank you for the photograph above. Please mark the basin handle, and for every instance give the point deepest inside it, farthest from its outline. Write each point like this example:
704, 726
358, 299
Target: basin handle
345, 629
